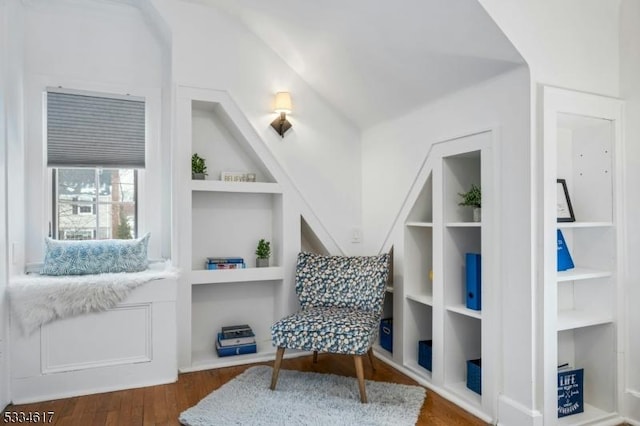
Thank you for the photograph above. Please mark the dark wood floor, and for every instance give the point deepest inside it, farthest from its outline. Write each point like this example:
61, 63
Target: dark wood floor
161, 405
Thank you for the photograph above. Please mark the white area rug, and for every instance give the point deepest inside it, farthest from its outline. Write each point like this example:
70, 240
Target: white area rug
303, 398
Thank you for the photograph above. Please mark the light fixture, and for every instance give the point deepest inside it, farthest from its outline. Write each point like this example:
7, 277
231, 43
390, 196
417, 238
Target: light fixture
282, 106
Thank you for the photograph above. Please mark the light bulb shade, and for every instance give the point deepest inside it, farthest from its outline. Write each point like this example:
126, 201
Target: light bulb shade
283, 103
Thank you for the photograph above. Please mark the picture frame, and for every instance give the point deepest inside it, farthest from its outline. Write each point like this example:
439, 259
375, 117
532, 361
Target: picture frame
564, 207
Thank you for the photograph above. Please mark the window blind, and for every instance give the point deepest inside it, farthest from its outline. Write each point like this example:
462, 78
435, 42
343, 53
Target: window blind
84, 130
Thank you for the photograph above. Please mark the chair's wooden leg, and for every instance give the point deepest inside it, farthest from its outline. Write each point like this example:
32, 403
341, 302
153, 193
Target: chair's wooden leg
360, 374
373, 365
315, 357
276, 367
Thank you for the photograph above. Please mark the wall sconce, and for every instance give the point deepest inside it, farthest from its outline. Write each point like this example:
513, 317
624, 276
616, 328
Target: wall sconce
282, 106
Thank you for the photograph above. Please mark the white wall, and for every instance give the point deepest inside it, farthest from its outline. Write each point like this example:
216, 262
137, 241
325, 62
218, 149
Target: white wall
93, 45
392, 155
4, 307
568, 43
630, 92
321, 153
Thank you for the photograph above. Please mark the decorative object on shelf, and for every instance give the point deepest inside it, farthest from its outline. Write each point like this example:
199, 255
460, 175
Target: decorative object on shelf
473, 198
386, 334
474, 375
263, 252
237, 177
473, 280
425, 348
570, 391
283, 107
564, 257
198, 167
565, 210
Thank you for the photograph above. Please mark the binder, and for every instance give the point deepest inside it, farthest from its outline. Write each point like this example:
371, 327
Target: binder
473, 278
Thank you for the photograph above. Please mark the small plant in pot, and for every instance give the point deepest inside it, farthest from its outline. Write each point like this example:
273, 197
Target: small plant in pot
198, 167
473, 198
263, 252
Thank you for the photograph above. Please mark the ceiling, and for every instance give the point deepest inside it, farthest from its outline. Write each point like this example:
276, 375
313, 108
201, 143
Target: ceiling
375, 60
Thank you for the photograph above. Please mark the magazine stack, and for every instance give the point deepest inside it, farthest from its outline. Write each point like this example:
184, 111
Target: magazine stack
236, 340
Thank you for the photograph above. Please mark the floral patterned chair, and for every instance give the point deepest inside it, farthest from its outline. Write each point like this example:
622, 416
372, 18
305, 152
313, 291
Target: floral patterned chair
341, 306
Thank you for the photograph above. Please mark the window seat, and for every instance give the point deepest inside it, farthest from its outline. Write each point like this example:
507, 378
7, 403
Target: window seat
77, 335
39, 299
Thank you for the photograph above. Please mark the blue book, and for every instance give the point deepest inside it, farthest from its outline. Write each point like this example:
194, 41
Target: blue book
564, 257
570, 392
249, 348
225, 260
236, 340
473, 281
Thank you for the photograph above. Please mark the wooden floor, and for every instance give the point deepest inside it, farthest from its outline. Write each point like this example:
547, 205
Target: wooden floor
161, 405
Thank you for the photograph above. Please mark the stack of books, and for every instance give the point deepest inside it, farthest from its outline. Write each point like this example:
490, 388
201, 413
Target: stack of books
236, 340
225, 263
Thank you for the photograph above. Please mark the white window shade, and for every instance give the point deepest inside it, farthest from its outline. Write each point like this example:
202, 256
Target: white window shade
84, 130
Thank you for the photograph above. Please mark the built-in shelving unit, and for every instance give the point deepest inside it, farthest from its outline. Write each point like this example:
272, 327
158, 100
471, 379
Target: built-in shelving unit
582, 319
437, 233
226, 219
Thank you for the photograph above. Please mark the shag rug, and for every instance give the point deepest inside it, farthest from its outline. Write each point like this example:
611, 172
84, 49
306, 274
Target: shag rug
38, 299
305, 398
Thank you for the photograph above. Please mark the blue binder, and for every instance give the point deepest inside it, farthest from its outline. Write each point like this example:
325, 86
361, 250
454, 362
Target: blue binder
473, 278
564, 257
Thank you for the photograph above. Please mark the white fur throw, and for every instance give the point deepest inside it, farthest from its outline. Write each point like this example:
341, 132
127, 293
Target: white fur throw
39, 299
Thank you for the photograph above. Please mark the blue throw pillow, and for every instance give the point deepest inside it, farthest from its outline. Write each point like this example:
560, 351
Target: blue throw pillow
95, 256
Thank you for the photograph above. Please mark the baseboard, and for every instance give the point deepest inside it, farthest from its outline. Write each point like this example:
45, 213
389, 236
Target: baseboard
512, 413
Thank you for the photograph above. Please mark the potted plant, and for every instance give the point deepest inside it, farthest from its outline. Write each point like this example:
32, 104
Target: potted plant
473, 198
198, 167
263, 252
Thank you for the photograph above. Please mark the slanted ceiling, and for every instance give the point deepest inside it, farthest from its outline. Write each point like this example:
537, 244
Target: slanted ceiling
375, 60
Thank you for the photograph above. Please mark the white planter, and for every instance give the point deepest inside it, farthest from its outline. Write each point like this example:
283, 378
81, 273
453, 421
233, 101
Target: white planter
477, 214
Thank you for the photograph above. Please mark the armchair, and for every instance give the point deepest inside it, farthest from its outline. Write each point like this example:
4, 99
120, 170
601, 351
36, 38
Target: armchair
340, 309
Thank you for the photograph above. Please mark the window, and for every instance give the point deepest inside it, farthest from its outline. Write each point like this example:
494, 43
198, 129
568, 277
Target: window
95, 144
94, 203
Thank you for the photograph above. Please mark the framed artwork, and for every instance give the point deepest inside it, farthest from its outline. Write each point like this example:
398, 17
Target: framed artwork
565, 210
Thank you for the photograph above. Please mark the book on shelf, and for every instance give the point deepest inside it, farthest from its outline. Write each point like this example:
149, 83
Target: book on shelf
236, 331
564, 257
212, 266
234, 341
570, 390
225, 260
249, 348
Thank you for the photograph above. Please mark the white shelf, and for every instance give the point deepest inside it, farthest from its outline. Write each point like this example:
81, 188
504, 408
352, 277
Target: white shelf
205, 360
420, 224
462, 309
572, 319
381, 352
463, 224
421, 298
418, 369
591, 415
460, 389
247, 187
580, 273
216, 276
565, 225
